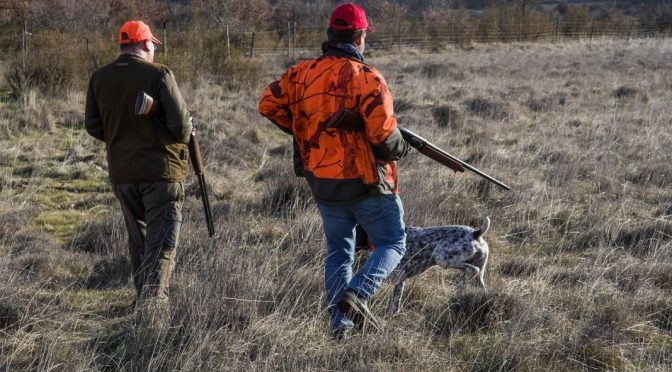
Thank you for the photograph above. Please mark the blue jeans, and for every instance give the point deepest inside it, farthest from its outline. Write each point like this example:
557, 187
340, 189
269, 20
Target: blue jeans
382, 218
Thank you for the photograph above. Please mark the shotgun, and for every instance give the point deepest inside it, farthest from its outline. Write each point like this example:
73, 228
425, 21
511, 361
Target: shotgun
199, 171
145, 105
351, 120
431, 151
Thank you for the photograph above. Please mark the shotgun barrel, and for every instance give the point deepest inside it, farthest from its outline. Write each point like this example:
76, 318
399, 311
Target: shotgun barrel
431, 151
199, 171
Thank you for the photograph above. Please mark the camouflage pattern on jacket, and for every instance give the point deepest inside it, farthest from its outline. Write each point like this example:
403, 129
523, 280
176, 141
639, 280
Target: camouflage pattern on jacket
341, 164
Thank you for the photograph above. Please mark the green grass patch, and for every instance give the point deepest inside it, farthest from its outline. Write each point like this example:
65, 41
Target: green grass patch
6, 95
67, 140
25, 172
56, 199
60, 225
80, 185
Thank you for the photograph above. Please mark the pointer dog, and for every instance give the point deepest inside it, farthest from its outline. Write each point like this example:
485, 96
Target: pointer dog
459, 247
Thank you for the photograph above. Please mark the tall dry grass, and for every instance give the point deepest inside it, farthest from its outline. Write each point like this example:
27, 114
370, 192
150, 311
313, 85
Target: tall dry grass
579, 277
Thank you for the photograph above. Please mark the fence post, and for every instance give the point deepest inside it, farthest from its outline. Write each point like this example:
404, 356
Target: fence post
294, 40
165, 40
252, 46
24, 42
452, 31
289, 39
557, 28
228, 43
399, 35
91, 55
592, 29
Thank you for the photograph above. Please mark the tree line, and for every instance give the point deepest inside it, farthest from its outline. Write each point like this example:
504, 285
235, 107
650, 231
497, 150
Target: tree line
56, 44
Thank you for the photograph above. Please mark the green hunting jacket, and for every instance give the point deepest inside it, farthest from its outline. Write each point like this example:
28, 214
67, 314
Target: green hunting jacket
139, 148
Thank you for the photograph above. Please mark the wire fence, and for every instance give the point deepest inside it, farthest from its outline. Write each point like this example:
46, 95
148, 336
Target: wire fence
296, 38
412, 35
57, 60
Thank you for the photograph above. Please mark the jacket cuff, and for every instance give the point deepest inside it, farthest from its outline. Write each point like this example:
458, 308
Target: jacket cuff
394, 147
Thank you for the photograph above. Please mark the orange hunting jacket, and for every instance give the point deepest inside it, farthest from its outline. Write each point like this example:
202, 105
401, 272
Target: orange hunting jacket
342, 163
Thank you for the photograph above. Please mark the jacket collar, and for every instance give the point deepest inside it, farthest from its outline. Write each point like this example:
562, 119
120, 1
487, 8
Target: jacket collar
334, 52
129, 57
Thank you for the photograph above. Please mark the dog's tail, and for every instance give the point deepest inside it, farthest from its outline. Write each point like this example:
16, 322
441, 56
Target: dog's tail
485, 225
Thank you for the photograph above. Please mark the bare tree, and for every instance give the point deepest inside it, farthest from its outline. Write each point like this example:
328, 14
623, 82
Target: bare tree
240, 14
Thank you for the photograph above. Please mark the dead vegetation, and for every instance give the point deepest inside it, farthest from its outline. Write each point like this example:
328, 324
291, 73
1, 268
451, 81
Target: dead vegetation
580, 272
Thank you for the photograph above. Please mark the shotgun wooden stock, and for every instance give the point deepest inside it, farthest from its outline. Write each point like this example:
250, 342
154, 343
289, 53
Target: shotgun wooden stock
431, 151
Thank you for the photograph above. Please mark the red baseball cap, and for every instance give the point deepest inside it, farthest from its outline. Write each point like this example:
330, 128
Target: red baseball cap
349, 17
134, 32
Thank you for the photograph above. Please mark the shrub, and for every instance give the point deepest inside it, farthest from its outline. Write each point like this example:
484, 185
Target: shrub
105, 238
611, 318
51, 268
447, 116
53, 65
568, 278
401, 105
629, 278
239, 150
661, 314
520, 233
109, 272
286, 198
642, 238
561, 174
661, 275
652, 174
13, 221
487, 109
625, 92
547, 103
10, 314
518, 267
442, 71
194, 54
472, 311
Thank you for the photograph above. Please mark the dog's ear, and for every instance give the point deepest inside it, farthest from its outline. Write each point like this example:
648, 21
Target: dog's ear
485, 225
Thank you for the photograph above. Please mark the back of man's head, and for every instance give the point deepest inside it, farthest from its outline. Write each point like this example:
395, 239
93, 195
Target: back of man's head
132, 48
346, 24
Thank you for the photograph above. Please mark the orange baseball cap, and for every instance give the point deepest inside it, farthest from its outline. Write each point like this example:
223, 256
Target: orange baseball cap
134, 32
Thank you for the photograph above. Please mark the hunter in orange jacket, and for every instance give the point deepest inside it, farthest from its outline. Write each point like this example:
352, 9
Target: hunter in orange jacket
343, 159
346, 144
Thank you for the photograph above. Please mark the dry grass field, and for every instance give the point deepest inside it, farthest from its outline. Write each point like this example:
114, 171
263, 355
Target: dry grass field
580, 276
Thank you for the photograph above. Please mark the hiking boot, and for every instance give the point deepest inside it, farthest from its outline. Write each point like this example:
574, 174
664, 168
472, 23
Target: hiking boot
357, 310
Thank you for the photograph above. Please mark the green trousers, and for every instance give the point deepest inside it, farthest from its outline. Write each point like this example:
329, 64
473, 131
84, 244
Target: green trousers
153, 216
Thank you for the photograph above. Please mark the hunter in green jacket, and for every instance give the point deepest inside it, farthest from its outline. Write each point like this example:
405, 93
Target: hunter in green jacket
139, 148
147, 155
